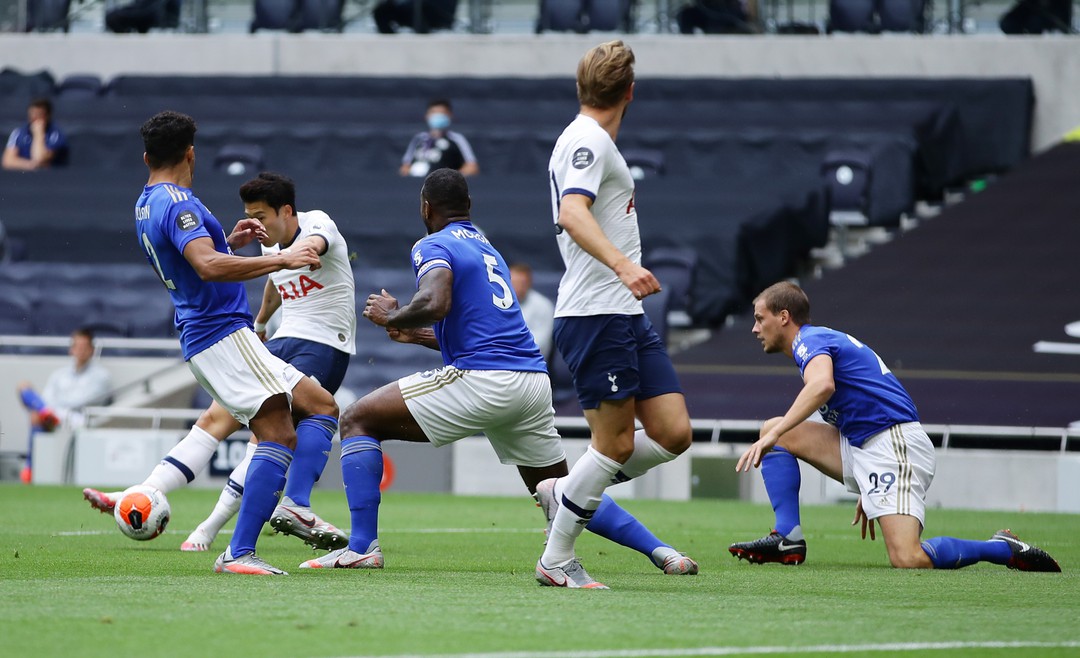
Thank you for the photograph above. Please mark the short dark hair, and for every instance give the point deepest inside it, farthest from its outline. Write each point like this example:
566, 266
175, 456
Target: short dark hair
166, 138
43, 103
786, 296
275, 189
86, 332
447, 193
445, 102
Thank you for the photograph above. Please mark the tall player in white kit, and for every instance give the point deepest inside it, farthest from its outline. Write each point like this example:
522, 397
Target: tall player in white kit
494, 382
871, 441
622, 372
316, 336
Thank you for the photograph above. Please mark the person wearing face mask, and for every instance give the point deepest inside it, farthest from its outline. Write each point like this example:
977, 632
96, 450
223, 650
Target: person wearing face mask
438, 147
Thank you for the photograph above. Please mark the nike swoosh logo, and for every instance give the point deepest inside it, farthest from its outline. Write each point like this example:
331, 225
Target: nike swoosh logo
310, 523
785, 546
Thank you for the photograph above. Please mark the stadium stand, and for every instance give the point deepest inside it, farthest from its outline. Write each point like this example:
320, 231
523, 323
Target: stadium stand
740, 181
955, 308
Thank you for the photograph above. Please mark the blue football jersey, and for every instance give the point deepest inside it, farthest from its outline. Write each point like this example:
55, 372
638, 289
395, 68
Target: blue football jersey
167, 218
484, 329
868, 398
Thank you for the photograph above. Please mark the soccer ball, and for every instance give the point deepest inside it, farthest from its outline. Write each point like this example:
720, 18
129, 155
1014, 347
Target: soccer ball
142, 512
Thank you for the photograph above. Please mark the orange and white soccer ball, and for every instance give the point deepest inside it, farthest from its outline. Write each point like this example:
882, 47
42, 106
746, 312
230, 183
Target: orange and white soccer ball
142, 512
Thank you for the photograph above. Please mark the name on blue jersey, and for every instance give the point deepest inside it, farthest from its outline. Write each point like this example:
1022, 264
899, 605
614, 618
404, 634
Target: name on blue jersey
466, 234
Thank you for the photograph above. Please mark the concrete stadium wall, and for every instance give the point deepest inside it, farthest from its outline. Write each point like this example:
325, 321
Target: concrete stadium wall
1053, 62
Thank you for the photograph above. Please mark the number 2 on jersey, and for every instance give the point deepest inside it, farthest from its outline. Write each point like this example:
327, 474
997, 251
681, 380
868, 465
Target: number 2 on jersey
157, 264
507, 298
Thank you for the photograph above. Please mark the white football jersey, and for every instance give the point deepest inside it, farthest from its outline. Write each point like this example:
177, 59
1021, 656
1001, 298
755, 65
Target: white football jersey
586, 161
318, 305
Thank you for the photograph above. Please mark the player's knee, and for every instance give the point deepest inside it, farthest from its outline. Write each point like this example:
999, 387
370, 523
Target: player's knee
327, 407
680, 438
351, 422
909, 558
768, 425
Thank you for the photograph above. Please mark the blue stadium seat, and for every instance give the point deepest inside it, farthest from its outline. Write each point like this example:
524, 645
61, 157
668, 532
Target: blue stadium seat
147, 313
58, 312
15, 314
674, 267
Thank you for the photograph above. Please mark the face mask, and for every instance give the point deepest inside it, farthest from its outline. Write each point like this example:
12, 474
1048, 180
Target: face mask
438, 121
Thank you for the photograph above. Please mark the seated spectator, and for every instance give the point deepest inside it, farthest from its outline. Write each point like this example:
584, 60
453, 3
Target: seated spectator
66, 392
715, 17
141, 15
389, 15
37, 145
538, 310
438, 147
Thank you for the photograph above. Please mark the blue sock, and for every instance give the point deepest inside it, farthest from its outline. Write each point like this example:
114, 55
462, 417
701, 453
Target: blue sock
314, 437
31, 400
952, 553
613, 522
362, 471
265, 479
780, 470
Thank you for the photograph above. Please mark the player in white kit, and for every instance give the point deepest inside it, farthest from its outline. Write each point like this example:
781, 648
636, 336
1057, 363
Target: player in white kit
316, 336
871, 441
622, 372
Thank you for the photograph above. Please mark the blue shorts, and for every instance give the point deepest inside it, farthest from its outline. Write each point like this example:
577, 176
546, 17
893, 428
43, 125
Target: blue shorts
613, 357
322, 363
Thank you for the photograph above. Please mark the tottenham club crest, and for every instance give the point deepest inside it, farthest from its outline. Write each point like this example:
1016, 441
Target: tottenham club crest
583, 157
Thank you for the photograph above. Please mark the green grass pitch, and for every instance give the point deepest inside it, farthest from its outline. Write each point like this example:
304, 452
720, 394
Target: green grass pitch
459, 582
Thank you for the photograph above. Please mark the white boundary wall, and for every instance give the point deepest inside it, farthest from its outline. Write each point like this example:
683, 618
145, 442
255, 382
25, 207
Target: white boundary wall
1001, 480
1053, 62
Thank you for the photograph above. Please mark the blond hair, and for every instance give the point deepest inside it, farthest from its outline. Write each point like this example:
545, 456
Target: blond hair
605, 74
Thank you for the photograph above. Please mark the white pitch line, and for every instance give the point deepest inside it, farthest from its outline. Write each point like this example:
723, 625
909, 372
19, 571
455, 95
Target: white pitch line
385, 531
752, 651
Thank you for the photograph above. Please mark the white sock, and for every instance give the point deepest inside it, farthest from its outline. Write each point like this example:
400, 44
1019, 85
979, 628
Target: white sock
582, 488
647, 453
228, 503
227, 506
239, 474
186, 460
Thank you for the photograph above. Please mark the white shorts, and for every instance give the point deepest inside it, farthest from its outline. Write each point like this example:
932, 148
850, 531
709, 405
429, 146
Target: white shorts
891, 471
512, 409
240, 373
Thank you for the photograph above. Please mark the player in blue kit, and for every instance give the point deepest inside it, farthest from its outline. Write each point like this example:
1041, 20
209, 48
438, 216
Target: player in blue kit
316, 335
871, 441
494, 382
191, 254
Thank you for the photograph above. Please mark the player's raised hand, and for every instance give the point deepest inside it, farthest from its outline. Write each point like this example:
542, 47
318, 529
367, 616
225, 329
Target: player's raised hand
639, 280
378, 307
860, 515
304, 256
245, 231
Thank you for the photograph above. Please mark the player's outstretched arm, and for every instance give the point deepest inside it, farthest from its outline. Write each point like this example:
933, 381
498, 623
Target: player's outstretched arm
576, 218
212, 265
818, 387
